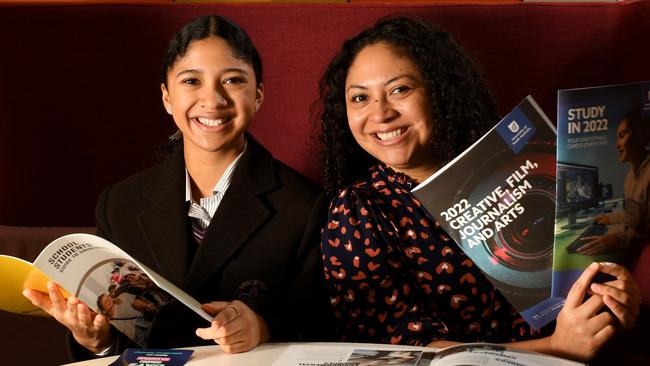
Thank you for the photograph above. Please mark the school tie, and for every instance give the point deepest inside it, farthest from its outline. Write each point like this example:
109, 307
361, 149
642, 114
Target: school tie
199, 216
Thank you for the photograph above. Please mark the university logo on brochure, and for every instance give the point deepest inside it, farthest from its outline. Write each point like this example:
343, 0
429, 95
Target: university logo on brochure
513, 126
516, 130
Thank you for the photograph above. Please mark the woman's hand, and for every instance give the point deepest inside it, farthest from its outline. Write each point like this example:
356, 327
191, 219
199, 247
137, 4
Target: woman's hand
235, 327
89, 329
582, 329
622, 295
602, 244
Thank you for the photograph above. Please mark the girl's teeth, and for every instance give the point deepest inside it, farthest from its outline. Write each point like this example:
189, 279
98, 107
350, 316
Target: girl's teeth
210, 122
389, 135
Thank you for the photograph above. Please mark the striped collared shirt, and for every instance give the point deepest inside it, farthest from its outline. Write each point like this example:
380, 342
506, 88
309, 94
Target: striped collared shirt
205, 209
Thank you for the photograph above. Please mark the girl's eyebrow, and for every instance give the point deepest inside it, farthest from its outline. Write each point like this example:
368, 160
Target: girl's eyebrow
357, 86
188, 71
196, 71
236, 69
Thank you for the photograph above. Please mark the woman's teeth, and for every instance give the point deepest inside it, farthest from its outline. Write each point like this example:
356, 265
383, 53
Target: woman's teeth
387, 136
210, 122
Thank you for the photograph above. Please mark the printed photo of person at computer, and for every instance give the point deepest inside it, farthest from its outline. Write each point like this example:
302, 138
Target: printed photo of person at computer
603, 178
633, 146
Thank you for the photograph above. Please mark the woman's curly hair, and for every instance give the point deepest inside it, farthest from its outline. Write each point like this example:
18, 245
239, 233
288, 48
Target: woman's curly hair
461, 100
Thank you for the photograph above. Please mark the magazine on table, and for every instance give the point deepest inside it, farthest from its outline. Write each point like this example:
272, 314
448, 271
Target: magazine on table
497, 201
593, 166
101, 275
468, 354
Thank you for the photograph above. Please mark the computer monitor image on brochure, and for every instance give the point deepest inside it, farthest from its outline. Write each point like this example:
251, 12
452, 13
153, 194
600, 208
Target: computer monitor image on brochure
578, 189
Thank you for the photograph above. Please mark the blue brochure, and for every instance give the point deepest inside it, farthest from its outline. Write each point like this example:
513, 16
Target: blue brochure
158, 357
597, 187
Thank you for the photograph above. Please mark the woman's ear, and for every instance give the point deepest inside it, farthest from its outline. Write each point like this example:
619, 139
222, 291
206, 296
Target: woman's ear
259, 96
166, 99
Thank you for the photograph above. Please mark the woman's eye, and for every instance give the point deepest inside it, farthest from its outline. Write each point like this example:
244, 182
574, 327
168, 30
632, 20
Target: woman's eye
400, 90
359, 98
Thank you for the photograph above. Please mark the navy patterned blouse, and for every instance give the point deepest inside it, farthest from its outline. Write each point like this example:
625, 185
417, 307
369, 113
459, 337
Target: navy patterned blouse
394, 276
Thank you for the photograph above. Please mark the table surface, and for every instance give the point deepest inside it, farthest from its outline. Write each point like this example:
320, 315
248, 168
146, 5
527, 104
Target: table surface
264, 354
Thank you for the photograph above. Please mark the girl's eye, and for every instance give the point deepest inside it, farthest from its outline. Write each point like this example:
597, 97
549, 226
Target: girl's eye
234, 80
359, 98
191, 81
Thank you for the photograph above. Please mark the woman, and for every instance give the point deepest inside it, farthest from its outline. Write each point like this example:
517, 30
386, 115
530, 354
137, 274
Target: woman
632, 144
247, 259
398, 101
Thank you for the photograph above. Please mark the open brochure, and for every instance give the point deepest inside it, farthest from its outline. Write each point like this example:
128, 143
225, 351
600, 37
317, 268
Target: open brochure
483, 354
497, 201
101, 275
598, 195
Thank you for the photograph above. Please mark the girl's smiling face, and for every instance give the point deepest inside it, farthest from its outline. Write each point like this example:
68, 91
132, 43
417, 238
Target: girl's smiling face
212, 97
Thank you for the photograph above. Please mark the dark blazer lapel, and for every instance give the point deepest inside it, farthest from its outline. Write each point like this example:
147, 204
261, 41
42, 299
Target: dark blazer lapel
239, 214
164, 222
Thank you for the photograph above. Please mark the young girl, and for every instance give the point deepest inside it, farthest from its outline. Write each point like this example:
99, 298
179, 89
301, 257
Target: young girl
399, 100
219, 217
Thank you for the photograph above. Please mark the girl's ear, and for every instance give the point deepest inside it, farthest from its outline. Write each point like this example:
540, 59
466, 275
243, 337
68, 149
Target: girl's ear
259, 96
166, 99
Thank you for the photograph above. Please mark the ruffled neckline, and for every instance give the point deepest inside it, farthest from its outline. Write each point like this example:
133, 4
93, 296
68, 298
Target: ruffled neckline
405, 181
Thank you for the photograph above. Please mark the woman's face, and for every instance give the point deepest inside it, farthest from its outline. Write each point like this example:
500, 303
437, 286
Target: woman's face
212, 96
623, 142
389, 110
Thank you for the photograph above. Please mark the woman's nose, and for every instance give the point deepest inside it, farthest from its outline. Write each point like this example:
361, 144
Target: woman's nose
381, 111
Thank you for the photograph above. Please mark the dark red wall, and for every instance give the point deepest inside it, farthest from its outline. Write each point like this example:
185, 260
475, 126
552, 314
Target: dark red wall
80, 101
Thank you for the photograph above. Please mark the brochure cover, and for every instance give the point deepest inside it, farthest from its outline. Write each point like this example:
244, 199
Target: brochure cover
600, 200
18, 274
101, 275
150, 357
497, 201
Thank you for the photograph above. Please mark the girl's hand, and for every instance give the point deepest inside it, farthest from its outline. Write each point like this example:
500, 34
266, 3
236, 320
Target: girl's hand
89, 329
235, 327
